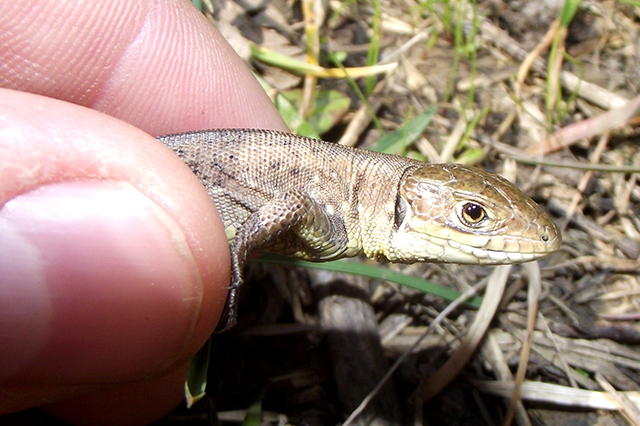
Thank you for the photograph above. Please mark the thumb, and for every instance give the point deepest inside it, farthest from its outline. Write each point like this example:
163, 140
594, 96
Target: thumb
113, 261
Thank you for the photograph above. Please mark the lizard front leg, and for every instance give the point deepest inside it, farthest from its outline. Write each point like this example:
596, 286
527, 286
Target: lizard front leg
293, 224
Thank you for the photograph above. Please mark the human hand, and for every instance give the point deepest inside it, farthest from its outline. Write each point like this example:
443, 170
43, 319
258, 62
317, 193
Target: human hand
113, 261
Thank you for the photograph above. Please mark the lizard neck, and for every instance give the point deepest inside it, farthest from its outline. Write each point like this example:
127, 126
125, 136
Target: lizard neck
375, 197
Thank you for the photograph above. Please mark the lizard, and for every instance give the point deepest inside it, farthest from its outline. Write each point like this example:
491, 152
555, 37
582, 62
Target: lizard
314, 200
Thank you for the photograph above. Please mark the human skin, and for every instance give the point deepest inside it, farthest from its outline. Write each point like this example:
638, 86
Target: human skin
113, 261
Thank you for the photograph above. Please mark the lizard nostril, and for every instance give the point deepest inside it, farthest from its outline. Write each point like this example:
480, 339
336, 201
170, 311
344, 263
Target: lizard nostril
544, 237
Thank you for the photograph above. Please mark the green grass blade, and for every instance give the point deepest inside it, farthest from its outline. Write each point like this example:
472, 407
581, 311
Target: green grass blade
254, 414
569, 12
396, 142
196, 382
378, 272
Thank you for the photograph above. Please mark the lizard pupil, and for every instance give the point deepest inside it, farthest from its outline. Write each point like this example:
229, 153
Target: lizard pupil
473, 213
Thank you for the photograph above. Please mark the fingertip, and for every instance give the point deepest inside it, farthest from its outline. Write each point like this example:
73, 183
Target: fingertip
94, 274
139, 403
122, 244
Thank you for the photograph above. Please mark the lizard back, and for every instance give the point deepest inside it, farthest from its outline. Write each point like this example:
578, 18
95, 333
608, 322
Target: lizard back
244, 169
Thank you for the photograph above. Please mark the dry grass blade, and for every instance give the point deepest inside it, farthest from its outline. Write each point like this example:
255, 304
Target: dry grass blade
523, 71
582, 185
597, 355
589, 91
492, 352
559, 395
628, 409
453, 305
533, 273
493, 294
590, 127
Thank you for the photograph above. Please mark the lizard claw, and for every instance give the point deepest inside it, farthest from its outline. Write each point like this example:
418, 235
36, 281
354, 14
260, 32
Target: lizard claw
230, 312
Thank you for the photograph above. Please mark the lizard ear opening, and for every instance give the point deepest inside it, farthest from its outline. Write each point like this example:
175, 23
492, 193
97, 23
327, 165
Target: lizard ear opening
400, 212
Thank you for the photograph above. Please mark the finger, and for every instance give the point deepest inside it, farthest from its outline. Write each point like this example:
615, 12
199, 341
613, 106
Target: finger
159, 65
114, 264
139, 403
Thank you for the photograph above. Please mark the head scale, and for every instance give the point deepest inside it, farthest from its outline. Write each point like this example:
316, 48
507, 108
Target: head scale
453, 213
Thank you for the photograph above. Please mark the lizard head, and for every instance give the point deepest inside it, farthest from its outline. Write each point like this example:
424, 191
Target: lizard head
453, 213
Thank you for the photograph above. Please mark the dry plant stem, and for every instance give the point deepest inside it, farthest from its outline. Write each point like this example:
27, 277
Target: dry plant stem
563, 360
313, 53
510, 171
492, 352
588, 91
581, 354
397, 54
362, 118
627, 408
506, 124
484, 80
582, 185
527, 63
621, 317
428, 150
560, 304
561, 357
564, 164
468, 344
574, 132
454, 139
556, 68
611, 264
515, 154
558, 395
621, 203
470, 292
307, 95
535, 288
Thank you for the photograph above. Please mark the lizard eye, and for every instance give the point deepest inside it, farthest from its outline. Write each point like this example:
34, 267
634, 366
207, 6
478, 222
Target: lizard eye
472, 214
